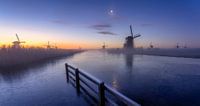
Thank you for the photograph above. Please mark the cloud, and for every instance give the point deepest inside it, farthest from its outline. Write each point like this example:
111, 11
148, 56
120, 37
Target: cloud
61, 22
103, 29
146, 25
100, 26
106, 33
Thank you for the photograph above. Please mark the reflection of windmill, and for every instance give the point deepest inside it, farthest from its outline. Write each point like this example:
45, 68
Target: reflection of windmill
129, 43
104, 46
16, 44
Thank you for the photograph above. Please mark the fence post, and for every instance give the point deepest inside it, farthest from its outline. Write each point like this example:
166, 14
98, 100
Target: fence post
101, 94
77, 81
67, 71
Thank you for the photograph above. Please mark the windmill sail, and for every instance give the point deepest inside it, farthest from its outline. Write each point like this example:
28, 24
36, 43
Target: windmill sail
17, 37
131, 30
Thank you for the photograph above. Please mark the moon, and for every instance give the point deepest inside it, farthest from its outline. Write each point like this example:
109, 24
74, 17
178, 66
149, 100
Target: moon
111, 12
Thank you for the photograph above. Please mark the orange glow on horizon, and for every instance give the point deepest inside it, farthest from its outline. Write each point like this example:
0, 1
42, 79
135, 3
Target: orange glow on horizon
59, 45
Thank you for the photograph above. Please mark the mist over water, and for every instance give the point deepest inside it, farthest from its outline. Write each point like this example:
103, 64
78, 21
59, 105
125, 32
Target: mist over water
149, 80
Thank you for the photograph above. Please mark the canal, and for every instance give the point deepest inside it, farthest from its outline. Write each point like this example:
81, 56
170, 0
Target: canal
149, 80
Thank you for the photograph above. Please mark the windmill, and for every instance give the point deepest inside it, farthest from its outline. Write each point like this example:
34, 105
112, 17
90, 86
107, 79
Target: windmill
79, 47
55, 46
185, 46
129, 43
151, 45
104, 46
16, 44
48, 46
177, 46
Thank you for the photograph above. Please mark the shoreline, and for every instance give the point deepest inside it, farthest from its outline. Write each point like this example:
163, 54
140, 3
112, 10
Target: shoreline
179, 53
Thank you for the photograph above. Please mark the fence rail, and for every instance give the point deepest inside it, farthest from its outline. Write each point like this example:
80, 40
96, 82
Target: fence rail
80, 77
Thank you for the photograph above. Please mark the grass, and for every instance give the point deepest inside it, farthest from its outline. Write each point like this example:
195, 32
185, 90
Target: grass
15, 57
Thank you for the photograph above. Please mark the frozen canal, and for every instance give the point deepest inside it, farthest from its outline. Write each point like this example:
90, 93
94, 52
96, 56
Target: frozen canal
149, 80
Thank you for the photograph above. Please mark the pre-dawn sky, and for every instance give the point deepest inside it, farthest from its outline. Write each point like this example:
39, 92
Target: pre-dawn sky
89, 23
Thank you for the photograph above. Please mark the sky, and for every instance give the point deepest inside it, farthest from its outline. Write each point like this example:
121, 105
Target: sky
89, 23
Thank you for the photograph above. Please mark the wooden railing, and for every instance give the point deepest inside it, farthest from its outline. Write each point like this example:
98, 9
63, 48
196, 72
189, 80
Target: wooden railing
81, 80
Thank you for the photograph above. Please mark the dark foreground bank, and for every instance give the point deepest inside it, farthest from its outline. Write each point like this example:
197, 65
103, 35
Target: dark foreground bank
20, 57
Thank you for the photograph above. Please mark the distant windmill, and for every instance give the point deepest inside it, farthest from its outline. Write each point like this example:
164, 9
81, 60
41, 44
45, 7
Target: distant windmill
79, 47
177, 46
55, 46
16, 44
48, 46
151, 45
185, 46
129, 43
104, 46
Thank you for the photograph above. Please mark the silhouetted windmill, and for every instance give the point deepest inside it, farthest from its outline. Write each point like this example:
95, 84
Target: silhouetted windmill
79, 47
104, 45
55, 46
177, 46
129, 43
185, 46
151, 45
48, 46
16, 44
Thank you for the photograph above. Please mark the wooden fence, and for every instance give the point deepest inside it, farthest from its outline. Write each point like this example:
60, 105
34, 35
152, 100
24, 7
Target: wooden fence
81, 80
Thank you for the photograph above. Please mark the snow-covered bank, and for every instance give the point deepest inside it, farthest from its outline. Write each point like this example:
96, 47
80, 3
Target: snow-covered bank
184, 52
16, 57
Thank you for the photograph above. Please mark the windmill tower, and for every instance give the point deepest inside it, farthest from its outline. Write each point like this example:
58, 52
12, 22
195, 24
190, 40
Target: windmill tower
177, 46
16, 44
129, 41
185, 46
48, 46
55, 46
104, 45
151, 45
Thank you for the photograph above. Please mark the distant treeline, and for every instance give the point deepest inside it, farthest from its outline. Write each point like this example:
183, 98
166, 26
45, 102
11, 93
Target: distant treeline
23, 56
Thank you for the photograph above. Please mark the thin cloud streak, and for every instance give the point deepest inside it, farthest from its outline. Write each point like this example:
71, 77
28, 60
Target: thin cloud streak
101, 26
106, 33
61, 22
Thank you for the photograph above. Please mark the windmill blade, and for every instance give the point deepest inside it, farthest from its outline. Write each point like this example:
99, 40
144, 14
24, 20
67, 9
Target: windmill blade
137, 35
17, 37
131, 30
23, 42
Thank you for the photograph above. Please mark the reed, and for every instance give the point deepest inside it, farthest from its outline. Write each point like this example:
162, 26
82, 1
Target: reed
15, 57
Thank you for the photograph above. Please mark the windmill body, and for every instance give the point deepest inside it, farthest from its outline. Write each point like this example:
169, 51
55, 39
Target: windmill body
104, 46
16, 44
151, 46
129, 41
